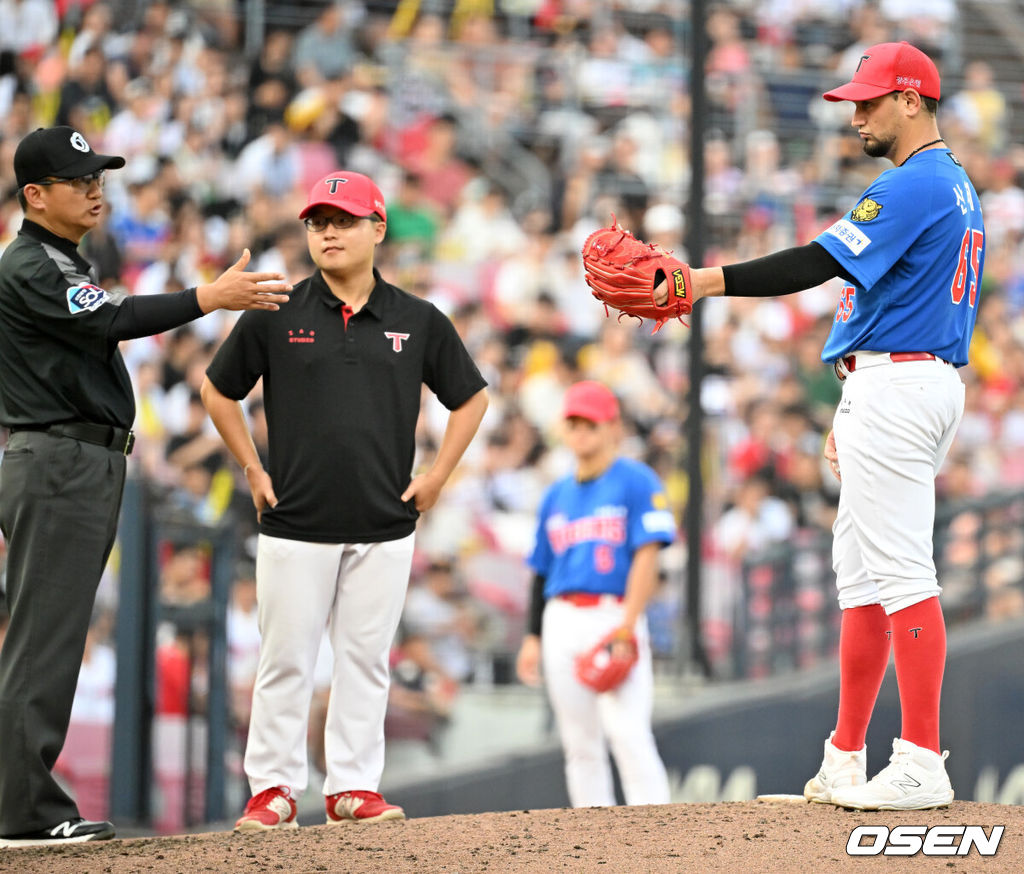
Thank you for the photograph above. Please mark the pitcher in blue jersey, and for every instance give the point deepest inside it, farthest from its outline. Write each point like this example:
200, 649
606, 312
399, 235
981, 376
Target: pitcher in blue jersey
595, 563
911, 251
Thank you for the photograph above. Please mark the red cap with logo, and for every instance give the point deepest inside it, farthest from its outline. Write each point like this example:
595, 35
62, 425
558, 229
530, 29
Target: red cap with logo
888, 67
352, 192
590, 400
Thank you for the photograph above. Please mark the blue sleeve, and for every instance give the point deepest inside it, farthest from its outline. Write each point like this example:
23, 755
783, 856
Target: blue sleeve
650, 519
541, 556
888, 219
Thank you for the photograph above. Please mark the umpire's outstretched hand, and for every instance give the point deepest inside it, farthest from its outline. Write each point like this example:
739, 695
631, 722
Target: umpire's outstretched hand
235, 289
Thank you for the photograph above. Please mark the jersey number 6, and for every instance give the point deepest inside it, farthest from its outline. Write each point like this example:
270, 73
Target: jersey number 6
973, 241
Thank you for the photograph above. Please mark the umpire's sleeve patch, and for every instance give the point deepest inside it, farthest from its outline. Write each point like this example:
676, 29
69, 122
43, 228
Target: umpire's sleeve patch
86, 298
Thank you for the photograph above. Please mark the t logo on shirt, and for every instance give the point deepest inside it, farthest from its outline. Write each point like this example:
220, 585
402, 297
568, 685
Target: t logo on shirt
396, 339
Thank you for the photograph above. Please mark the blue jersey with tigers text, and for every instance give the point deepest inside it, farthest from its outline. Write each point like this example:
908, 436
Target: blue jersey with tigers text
915, 244
588, 531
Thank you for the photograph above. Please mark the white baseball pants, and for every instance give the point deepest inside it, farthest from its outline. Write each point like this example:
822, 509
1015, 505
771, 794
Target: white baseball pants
893, 428
356, 591
589, 723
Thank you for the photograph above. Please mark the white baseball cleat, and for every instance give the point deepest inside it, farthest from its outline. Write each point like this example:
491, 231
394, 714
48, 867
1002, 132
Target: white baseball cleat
839, 770
914, 779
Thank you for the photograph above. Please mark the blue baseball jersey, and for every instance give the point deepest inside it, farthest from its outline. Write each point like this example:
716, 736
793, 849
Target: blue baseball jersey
915, 244
588, 531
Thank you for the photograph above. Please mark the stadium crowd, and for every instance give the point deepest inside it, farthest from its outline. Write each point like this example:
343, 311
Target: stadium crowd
500, 141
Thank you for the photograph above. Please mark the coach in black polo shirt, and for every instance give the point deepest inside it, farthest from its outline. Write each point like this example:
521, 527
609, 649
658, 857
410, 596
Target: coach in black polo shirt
343, 370
67, 400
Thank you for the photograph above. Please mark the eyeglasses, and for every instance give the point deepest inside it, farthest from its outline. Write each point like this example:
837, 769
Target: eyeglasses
79, 183
342, 221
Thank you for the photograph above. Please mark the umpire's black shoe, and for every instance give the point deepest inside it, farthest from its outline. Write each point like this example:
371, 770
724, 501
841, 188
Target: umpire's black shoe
72, 831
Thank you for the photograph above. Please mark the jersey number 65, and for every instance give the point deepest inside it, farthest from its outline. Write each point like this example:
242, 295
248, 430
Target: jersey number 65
973, 242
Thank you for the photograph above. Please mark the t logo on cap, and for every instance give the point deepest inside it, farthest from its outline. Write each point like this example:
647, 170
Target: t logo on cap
353, 192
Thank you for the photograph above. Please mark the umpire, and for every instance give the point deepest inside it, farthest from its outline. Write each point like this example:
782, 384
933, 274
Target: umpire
66, 397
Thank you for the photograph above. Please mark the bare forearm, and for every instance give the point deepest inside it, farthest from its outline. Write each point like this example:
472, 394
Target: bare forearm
462, 427
229, 420
707, 281
641, 583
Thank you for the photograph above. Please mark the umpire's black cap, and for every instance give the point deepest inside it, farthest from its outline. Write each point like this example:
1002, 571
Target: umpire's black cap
58, 151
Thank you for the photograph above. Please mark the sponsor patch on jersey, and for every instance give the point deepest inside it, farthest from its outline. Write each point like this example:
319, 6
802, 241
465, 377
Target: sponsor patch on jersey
866, 211
850, 235
658, 520
86, 298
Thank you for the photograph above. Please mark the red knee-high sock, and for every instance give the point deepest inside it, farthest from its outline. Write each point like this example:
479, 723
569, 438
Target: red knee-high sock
864, 648
919, 646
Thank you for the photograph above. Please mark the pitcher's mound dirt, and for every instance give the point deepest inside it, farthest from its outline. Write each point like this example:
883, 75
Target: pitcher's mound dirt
775, 836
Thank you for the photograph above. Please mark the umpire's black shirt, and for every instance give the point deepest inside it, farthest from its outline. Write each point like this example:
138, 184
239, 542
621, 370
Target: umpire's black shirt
57, 361
342, 403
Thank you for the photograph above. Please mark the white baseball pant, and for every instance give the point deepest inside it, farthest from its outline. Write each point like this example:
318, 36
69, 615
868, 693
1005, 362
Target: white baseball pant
589, 723
893, 427
356, 591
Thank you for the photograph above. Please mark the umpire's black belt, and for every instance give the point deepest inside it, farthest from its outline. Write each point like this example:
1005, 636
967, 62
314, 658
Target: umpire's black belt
119, 439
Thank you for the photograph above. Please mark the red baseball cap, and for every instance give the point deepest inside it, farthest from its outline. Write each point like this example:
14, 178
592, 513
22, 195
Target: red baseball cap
888, 67
352, 192
591, 400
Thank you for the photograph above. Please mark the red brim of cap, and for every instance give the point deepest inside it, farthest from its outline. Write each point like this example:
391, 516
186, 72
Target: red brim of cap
856, 91
353, 208
589, 412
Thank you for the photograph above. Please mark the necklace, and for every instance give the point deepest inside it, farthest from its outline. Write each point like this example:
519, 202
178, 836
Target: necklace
918, 149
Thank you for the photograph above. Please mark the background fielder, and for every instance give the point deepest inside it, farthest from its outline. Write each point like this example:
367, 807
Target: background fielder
595, 560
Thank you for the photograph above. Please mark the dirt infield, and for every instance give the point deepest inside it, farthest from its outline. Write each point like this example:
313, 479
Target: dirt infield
738, 837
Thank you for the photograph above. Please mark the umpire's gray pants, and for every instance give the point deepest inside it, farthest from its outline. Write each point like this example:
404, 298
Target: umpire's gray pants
59, 504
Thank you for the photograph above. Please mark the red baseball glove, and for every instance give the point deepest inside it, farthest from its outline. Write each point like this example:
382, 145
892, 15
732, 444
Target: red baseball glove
623, 271
607, 664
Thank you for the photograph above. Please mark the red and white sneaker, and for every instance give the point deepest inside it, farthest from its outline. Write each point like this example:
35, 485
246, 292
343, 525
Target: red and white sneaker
360, 806
272, 808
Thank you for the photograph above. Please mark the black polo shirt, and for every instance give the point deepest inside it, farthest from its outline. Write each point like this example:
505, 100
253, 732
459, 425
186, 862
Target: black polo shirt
342, 403
57, 363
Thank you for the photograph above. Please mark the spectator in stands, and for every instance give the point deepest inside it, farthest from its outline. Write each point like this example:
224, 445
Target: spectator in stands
141, 229
757, 519
30, 27
438, 164
438, 610
413, 221
422, 695
85, 100
243, 639
323, 49
272, 80
980, 107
